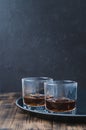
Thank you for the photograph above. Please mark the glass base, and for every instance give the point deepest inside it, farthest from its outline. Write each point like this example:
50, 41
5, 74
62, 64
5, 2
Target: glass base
36, 108
66, 112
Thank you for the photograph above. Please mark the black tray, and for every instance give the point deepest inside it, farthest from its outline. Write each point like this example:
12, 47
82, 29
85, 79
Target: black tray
80, 115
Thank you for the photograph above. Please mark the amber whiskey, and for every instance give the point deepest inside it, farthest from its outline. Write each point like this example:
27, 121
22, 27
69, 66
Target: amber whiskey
34, 100
60, 104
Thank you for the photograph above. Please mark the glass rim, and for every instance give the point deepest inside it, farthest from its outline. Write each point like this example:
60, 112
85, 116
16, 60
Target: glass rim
55, 82
36, 78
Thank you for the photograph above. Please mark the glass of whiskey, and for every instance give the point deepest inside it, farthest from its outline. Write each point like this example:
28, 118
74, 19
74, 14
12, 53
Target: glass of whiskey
33, 92
61, 96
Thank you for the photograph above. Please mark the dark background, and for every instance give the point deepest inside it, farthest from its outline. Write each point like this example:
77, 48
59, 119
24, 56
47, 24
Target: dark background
42, 38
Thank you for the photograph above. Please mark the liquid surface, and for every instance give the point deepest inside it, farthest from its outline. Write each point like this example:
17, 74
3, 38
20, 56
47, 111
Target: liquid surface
34, 100
60, 105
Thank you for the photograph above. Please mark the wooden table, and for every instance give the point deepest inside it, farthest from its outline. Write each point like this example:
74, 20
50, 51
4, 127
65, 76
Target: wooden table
13, 118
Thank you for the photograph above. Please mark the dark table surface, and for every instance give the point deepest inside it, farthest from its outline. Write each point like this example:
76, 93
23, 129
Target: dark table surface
12, 117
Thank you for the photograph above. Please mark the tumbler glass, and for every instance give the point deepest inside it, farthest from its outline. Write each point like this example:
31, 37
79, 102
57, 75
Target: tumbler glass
33, 91
61, 96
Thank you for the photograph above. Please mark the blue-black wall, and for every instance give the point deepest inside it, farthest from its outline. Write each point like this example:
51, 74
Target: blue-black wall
42, 38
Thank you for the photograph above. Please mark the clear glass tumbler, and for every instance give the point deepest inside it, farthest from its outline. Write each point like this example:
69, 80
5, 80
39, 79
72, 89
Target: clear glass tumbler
61, 96
33, 91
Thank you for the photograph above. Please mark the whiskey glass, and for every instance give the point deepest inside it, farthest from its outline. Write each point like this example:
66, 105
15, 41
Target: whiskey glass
33, 92
61, 96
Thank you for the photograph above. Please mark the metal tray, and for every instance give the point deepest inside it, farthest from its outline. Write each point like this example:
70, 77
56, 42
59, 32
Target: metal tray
80, 115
